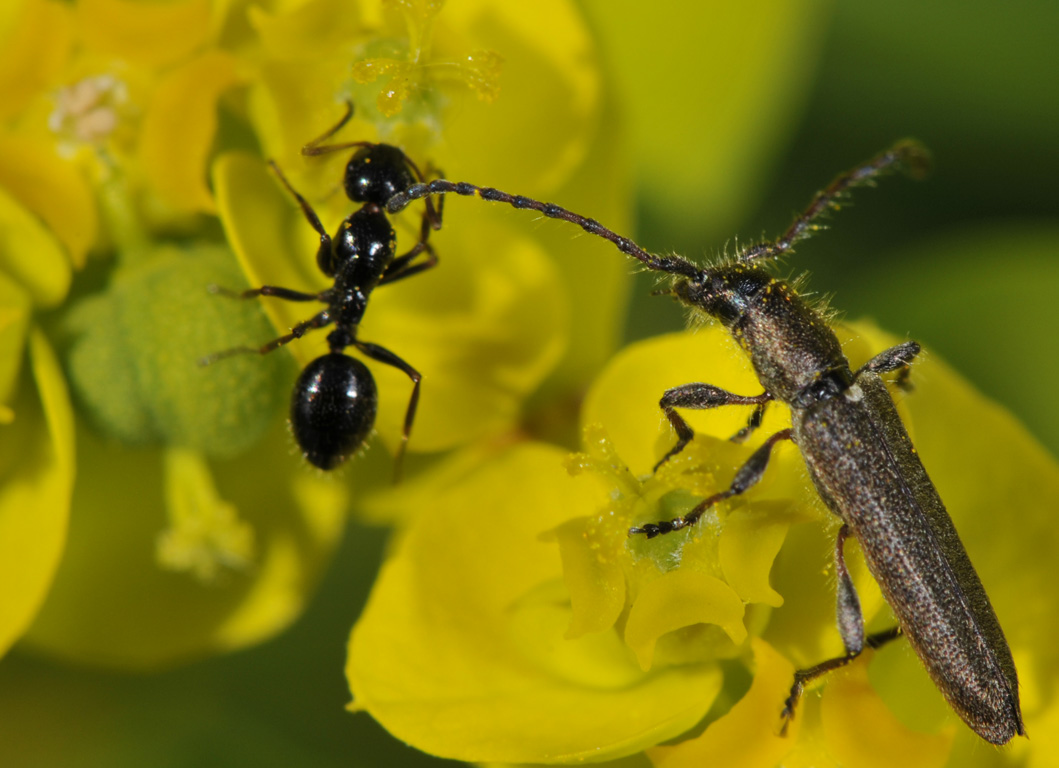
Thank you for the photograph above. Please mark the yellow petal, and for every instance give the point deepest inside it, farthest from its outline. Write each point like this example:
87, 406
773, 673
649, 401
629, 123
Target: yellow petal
681, 598
38, 464
15, 311
258, 220
31, 254
484, 327
748, 735
593, 576
550, 91
459, 654
142, 616
751, 539
54, 189
178, 130
597, 276
149, 34
35, 38
306, 29
292, 102
849, 702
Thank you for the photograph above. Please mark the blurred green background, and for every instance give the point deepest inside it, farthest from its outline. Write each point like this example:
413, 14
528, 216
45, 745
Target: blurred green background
966, 262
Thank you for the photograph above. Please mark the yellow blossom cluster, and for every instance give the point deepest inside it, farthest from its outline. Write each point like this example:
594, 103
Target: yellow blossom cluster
153, 511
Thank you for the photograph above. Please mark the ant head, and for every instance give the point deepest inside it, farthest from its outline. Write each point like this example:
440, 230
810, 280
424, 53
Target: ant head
377, 172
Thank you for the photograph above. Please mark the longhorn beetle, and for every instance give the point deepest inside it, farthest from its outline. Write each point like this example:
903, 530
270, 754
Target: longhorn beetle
855, 447
335, 399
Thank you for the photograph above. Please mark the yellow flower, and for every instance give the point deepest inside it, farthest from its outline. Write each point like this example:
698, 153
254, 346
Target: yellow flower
520, 623
493, 338
137, 146
86, 131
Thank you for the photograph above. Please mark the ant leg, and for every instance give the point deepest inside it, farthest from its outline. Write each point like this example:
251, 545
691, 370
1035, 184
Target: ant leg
319, 320
850, 622
266, 290
333, 130
907, 155
323, 254
701, 397
400, 268
313, 147
399, 271
745, 478
898, 358
433, 214
316, 147
383, 355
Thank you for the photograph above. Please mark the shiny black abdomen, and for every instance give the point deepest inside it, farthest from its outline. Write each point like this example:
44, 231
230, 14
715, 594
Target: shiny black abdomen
333, 408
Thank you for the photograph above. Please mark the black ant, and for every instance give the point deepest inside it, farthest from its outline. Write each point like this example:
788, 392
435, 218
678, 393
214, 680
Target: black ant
335, 398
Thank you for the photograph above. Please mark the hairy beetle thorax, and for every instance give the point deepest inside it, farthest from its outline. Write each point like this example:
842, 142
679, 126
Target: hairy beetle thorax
790, 344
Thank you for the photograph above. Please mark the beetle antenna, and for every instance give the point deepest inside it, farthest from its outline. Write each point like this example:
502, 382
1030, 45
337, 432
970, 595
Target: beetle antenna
907, 155
674, 265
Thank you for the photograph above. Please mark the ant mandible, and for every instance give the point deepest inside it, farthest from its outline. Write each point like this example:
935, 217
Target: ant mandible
335, 399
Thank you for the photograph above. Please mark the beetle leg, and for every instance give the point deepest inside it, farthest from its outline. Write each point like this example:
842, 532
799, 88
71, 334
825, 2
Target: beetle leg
898, 358
850, 622
745, 478
756, 417
701, 397
848, 615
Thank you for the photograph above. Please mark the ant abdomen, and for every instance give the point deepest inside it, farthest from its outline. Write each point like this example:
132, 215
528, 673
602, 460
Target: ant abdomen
333, 408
